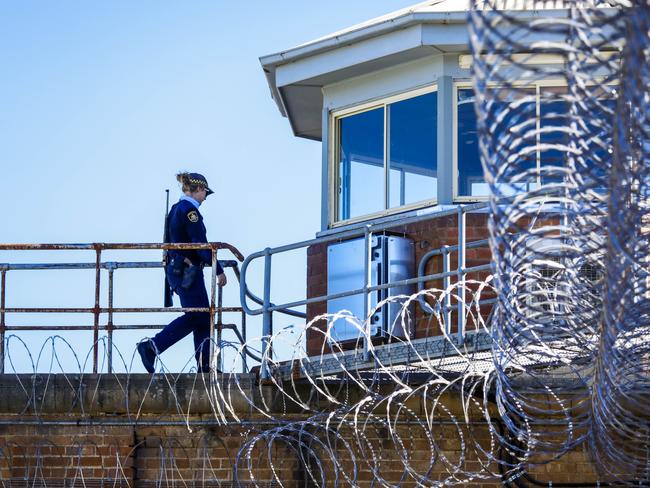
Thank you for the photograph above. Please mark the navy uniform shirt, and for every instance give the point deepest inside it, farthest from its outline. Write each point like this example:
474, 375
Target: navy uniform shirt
186, 225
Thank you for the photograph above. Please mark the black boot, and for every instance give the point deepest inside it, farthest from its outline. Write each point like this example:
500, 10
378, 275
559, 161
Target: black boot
148, 355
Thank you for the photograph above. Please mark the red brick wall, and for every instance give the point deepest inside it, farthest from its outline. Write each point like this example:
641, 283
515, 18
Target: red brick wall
316, 286
427, 235
67, 452
138, 456
51, 455
206, 455
155, 445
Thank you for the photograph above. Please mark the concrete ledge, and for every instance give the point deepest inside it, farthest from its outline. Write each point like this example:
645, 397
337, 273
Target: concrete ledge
109, 394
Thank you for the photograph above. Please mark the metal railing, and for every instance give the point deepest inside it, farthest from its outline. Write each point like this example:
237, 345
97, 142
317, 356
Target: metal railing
216, 309
447, 273
267, 308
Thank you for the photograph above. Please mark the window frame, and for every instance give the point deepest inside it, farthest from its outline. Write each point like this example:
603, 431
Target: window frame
334, 155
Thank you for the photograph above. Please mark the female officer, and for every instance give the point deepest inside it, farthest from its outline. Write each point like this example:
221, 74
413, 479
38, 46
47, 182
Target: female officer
184, 272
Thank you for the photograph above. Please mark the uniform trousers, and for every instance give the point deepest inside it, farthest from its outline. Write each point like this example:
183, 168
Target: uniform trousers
196, 322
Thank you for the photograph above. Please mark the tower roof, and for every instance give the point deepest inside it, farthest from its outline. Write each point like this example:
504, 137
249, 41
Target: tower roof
296, 75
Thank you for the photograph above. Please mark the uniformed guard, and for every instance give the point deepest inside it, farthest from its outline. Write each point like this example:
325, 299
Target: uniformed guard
184, 274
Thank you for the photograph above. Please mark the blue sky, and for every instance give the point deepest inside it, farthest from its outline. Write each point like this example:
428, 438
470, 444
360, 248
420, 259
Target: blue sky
101, 103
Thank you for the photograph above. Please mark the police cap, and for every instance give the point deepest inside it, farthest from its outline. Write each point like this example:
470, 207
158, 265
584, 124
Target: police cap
199, 179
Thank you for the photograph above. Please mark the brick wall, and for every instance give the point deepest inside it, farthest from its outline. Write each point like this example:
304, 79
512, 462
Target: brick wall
149, 451
316, 286
47, 454
427, 235
51, 455
170, 457
207, 456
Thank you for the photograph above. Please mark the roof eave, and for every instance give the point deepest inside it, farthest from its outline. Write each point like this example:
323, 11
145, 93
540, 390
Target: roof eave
272, 61
365, 32
329, 43
269, 73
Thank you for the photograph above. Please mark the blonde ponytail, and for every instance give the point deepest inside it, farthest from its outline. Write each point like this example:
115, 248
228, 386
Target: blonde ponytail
186, 185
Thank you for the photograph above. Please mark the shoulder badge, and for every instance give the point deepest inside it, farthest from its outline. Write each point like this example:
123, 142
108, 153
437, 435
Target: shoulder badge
193, 216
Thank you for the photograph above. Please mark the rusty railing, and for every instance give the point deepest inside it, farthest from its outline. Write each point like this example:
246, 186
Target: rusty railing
216, 308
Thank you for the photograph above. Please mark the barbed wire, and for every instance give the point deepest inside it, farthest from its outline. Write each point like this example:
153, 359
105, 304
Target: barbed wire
620, 428
573, 287
338, 425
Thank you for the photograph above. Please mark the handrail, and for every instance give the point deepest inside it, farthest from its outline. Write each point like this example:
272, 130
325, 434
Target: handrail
131, 265
111, 266
125, 246
357, 232
445, 251
259, 301
268, 308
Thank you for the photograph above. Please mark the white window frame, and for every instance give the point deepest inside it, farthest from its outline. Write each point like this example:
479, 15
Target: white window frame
333, 152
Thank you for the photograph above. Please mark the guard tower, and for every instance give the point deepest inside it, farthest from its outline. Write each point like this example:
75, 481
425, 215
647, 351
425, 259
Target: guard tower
392, 103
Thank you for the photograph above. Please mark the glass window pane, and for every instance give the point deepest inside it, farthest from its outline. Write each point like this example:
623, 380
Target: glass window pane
413, 149
396, 188
515, 132
596, 108
367, 193
420, 187
361, 164
554, 137
470, 172
512, 118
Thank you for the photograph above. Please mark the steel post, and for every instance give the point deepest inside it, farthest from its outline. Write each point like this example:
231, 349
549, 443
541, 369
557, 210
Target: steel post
461, 274
446, 282
3, 278
109, 323
97, 310
219, 326
267, 326
213, 292
244, 366
367, 280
